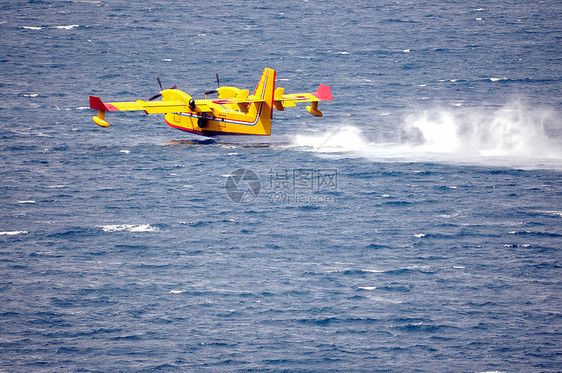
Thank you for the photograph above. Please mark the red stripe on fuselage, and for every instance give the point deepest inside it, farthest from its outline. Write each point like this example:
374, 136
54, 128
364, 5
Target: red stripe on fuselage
212, 133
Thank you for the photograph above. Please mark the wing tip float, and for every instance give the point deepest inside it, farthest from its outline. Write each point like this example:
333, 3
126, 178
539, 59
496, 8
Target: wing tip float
234, 112
97, 104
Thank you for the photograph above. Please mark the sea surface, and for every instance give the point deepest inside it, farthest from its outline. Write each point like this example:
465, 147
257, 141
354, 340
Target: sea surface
416, 227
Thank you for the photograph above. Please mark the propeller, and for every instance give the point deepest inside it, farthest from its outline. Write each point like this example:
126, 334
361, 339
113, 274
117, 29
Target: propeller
218, 86
161, 89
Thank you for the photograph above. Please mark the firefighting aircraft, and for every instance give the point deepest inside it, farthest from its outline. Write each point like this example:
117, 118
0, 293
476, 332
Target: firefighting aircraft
234, 112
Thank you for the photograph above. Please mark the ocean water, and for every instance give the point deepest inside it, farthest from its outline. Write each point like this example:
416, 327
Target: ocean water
416, 227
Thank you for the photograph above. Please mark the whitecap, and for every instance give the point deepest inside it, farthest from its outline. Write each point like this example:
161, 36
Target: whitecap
368, 288
129, 228
28, 201
69, 27
497, 79
372, 270
12, 233
143, 228
419, 235
177, 291
124, 151
31, 27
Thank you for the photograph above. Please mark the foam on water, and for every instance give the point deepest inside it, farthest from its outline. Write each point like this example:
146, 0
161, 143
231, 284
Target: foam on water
177, 291
515, 135
12, 233
129, 228
69, 27
342, 139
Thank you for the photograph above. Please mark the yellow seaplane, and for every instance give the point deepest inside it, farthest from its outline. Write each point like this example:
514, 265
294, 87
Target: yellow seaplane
234, 112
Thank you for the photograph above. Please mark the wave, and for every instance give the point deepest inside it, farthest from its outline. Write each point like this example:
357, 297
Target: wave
69, 27
515, 135
12, 233
129, 228
63, 27
177, 291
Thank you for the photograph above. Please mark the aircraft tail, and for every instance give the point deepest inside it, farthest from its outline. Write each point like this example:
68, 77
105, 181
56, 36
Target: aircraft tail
265, 94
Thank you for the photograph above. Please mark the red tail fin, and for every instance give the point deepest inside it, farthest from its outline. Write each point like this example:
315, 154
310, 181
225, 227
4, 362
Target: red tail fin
324, 93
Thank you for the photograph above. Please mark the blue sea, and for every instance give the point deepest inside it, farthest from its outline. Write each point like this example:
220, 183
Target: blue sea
416, 227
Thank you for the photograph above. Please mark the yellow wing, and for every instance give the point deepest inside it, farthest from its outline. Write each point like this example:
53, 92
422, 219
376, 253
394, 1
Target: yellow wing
323, 93
175, 101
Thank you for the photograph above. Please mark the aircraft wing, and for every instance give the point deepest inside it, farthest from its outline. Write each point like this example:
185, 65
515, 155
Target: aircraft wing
323, 93
149, 107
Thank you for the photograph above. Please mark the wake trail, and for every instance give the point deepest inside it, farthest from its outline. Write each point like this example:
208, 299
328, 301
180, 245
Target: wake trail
515, 135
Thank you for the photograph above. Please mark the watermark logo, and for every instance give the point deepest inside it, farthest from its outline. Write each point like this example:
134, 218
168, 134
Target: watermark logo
243, 186
302, 179
286, 186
